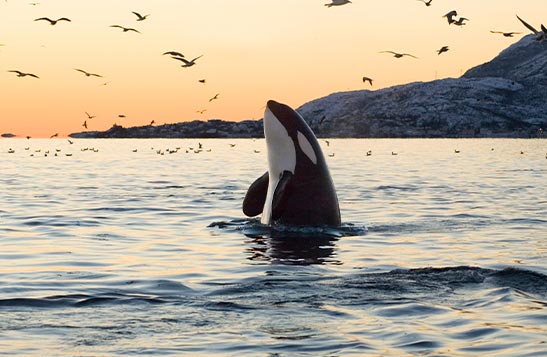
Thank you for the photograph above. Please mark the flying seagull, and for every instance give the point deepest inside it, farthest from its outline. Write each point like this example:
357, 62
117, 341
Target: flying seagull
88, 74
540, 35
89, 116
202, 81
427, 3
186, 62
53, 22
215, 97
174, 54
338, 3
460, 21
367, 79
399, 55
125, 29
139, 16
201, 111
54, 135
85, 124
442, 49
23, 74
506, 34
450, 16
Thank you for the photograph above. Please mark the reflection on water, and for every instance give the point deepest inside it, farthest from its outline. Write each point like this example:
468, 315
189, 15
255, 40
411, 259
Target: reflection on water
292, 250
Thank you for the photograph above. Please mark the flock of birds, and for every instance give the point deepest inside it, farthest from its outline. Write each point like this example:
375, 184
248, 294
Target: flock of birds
188, 150
451, 17
176, 55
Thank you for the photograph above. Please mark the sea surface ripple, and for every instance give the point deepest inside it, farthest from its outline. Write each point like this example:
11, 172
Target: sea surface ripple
126, 247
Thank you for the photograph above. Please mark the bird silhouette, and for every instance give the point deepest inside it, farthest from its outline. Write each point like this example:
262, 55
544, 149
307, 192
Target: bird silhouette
201, 81
174, 54
152, 122
201, 111
85, 124
540, 35
367, 79
427, 3
337, 3
125, 29
399, 55
88, 74
186, 62
450, 16
53, 22
460, 21
139, 16
214, 97
506, 34
23, 74
89, 116
54, 135
442, 50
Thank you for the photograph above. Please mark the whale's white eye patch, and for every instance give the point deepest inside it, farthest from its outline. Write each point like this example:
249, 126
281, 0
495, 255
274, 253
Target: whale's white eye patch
306, 147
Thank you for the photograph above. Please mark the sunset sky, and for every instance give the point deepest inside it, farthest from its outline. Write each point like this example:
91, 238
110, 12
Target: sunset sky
289, 50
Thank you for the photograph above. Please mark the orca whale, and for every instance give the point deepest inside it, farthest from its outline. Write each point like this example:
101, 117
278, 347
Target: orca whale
297, 189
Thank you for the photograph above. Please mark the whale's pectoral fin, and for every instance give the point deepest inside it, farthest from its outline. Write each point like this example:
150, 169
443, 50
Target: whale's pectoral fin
253, 204
281, 194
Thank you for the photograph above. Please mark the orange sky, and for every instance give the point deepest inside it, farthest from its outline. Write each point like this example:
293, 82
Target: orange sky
288, 50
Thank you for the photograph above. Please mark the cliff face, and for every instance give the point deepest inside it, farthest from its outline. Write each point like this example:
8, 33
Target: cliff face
505, 97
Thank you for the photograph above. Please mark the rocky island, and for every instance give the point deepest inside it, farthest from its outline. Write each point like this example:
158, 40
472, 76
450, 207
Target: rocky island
505, 97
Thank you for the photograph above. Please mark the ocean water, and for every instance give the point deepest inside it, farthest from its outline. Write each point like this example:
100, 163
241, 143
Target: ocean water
135, 247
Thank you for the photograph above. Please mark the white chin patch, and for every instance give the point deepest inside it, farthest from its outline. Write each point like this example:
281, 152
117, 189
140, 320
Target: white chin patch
306, 148
281, 157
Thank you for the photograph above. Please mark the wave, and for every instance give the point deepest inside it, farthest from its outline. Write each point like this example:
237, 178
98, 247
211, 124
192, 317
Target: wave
405, 287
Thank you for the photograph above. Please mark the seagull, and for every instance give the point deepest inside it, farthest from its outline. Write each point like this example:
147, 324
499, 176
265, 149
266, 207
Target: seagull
540, 35
53, 22
201, 111
367, 79
23, 74
338, 3
125, 29
139, 16
215, 97
88, 74
460, 21
89, 116
174, 54
450, 16
506, 34
186, 62
427, 3
201, 81
54, 135
152, 122
399, 55
85, 124
121, 115
442, 49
